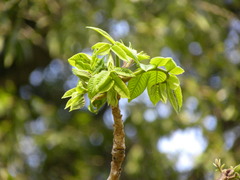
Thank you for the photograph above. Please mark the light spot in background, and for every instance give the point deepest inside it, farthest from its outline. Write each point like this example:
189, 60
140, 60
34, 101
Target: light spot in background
191, 103
230, 136
184, 163
98, 18
37, 126
108, 119
235, 24
195, 48
130, 130
234, 56
167, 52
232, 42
123, 105
210, 122
25, 92
54, 70
164, 110
119, 29
96, 139
150, 115
36, 77
215, 82
222, 94
33, 155
186, 144
70, 82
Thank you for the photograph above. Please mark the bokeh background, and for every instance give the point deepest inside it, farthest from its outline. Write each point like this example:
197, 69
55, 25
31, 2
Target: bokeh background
39, 140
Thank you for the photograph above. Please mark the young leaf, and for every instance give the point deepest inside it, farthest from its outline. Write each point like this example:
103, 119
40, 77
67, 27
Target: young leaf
76, 102
98, 83
175, 98
103, 50
137, 85
69, 93
81, 61
110, 63
120, 86
173, 82
163, 88
177, 70
96, 105
124, 72
147, 67
159, 61
98, 45
170, 64
97, 64
112, 98
82, 74
156, 77
103, 33
130, 52
154, 93
120, 52
237, 168
142, 56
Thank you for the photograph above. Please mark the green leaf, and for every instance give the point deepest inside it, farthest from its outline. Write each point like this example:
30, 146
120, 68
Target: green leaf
80, 88
69, 93
163, 90
120, 52
147, 67
130, 52
81, 61
154, 93
96, 105
175, 98
82, 74
173, 82
110, 63
156, 77
103, 33
97, 64
76, 102
98, 45
177, 70
237, 168
170, 64
124, 72
142, 56
137, 85
120, 86
99, 83
159, 61
103, 50
112, 98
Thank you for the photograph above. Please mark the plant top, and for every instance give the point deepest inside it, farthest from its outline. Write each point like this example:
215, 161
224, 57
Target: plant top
115, 71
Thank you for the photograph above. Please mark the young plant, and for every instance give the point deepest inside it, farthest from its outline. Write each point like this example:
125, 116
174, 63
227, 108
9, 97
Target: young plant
232, 173
115, 71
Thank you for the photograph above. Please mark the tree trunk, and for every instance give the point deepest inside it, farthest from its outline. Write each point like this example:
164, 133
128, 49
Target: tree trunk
118, 149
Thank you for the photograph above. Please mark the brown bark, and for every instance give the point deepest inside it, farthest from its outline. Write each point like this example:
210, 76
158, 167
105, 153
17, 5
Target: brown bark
118, 150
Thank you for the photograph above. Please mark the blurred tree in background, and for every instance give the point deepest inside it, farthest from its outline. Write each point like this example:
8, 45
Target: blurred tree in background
41, 141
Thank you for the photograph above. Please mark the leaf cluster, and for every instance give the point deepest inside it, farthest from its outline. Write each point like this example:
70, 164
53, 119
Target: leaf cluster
232, 173
106, 76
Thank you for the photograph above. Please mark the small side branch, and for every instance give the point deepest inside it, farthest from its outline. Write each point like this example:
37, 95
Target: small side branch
118, 150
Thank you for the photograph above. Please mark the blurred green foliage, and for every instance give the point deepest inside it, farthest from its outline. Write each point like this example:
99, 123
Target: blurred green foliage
41, 141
